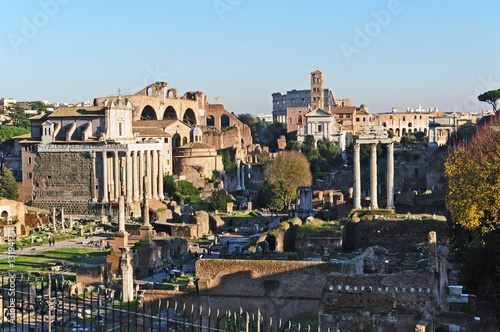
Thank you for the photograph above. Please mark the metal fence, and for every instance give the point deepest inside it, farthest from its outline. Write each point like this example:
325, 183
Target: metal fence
39, 304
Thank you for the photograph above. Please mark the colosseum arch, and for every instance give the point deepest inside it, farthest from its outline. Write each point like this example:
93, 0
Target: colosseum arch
148, 113
224, 121
172, 93
189, 117
170, 114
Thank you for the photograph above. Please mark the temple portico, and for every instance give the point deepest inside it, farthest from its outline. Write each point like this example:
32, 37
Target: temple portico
373, 135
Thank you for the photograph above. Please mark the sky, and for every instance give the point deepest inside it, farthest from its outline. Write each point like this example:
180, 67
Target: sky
384, 54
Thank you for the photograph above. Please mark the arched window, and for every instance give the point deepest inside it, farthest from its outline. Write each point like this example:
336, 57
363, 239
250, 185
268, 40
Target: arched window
210, 121
224, 121
184, 140
299, 120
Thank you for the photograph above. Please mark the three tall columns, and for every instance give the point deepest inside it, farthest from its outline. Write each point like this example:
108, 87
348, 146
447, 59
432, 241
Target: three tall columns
373, 176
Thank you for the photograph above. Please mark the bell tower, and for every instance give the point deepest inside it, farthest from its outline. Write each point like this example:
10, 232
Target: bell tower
317, 90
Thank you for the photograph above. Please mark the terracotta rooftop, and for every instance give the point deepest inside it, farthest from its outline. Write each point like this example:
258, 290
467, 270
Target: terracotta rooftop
73, 112
150, 132
153, 123
195, 145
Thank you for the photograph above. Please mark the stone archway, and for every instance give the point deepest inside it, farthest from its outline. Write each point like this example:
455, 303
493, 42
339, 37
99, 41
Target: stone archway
4, 216
170, 114
148, 113
189, 117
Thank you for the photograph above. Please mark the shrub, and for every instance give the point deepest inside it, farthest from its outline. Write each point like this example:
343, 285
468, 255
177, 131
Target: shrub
219, 200
186, 188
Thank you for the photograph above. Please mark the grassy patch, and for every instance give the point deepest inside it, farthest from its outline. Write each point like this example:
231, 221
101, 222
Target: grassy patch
39, 261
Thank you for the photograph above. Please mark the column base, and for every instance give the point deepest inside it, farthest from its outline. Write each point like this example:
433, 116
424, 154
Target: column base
238, 188
121, 239
146, 233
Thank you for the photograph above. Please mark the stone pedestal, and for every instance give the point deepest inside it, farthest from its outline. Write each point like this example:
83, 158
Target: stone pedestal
229, 208
121, 239
249, 206
146, 233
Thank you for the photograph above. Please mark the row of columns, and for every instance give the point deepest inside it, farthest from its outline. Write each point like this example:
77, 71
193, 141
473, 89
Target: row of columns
131, 173
373, 176
240, 175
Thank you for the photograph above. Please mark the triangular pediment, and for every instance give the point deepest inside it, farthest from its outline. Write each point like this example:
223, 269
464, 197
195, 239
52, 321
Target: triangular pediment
318, 112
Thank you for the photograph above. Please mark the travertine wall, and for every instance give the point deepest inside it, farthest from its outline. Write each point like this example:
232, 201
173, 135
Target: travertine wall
62, 176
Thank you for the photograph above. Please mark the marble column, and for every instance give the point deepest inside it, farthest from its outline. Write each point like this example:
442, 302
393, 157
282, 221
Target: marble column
147, 194
242, 177
117, 175
127, 274
135, 176
121, 214
148, 173
54, 219
161, 168
105, 193
71, 223
62, 219
93, 182
128, 178
238, 183
390, 176
357, 176
154, 179
141, 173
373, 175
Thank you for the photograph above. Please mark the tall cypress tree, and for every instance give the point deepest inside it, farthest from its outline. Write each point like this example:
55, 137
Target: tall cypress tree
8, 185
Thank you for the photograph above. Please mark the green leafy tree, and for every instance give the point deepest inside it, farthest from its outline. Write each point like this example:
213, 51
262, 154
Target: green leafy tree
227, 161
472, 169
39, 106
364, 153
269, 196
186, 188
286, 172
491, 97
18, 116
263, 157
169, 186
8, 185
219, 200
271, 133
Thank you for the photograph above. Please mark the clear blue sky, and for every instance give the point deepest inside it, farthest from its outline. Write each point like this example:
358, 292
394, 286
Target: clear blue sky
439, 53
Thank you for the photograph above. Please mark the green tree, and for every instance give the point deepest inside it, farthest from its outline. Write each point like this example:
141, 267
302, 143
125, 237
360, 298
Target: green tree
263, 157
268, 196
8, 185
219, 200
18, 116
472, 169
169, 186
39, 106
227, 160
286, 172
491, 97
271, 133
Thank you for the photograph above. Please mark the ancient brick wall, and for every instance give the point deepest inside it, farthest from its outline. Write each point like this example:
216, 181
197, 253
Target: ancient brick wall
62, 176
94, 275
33, 219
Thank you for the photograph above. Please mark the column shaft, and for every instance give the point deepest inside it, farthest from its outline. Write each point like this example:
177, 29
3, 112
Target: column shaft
141, 173
135, 176
105, 194
155, 174
129, 180
148, 173
390, 176
238, 183
357, 177
117, 176
373, 176
161, 168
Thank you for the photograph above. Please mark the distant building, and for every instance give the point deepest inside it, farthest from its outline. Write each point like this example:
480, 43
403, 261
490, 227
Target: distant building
4, 102
265, 117
322, 125
291, 107
403, 123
